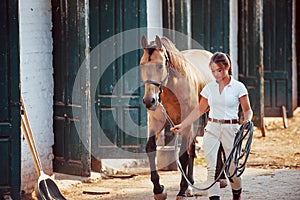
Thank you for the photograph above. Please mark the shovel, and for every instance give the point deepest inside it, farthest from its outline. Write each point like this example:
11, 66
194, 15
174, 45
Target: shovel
46, 188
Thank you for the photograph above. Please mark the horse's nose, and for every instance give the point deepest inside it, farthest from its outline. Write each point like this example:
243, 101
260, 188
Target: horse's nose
149, 102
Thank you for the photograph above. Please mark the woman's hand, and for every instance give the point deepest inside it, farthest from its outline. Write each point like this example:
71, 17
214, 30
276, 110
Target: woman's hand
246, 124
177, 128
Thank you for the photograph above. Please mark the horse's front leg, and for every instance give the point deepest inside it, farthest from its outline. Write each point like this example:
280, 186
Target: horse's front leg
158, 189
186, 158
192, 155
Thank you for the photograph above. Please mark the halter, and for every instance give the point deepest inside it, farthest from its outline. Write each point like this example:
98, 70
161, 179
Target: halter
157, 84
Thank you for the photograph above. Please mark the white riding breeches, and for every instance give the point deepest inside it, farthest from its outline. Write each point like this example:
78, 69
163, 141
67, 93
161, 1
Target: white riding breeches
214, 134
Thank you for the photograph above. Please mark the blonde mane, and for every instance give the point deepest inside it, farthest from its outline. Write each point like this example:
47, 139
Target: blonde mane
177, 60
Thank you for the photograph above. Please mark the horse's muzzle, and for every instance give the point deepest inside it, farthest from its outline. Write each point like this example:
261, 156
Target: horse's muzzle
150, 103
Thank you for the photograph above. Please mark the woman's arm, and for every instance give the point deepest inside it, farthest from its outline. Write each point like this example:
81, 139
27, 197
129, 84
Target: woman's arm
247, 111
195, 114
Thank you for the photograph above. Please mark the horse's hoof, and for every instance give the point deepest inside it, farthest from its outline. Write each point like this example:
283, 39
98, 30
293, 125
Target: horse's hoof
161, 196
189, 192
181, 198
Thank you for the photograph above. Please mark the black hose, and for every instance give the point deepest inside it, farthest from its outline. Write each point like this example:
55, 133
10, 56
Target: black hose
235, 156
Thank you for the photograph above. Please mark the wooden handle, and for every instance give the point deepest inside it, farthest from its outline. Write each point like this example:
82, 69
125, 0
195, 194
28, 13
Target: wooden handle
30, 140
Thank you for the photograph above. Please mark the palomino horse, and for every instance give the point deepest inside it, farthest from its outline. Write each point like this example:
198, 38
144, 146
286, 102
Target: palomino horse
174, 79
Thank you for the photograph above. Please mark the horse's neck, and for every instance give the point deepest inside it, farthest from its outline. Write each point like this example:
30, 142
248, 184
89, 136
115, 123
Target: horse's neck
183, 90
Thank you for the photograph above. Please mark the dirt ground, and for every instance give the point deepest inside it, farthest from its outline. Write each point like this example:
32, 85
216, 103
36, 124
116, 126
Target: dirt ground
273, 172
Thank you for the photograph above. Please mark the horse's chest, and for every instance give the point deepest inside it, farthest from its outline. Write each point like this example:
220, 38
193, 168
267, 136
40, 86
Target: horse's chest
175, 110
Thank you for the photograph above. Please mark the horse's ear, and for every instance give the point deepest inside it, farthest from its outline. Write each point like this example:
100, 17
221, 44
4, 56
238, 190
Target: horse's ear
144, 42
158, 42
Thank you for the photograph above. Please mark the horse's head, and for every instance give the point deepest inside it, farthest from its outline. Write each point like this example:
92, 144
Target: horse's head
155, 71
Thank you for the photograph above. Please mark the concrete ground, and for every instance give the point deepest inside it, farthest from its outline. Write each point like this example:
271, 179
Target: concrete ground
258, 184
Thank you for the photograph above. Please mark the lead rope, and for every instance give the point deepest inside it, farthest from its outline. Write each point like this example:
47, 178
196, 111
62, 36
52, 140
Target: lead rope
234, 155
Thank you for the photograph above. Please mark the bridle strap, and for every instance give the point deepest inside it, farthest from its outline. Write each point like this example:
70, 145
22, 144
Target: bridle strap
153, 83
157, 84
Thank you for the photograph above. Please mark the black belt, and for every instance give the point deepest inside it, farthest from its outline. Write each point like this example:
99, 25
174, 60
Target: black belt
224, 121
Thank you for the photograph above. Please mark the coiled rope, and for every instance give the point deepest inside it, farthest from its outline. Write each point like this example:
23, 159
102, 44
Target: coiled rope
236, 156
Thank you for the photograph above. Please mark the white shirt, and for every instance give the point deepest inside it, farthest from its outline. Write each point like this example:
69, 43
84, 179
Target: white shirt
224, 105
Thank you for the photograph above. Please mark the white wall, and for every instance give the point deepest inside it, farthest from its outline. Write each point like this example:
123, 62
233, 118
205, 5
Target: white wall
36, 73
233, 36
154, 19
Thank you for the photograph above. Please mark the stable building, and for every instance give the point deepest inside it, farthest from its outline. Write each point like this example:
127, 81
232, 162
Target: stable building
75, 65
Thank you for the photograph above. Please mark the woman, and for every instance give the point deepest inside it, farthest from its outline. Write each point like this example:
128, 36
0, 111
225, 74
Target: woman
222, 97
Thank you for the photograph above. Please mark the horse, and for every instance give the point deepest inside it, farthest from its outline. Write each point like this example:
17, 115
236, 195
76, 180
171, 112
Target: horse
172, 80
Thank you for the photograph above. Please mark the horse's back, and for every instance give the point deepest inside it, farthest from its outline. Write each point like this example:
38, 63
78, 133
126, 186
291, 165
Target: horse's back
200, 60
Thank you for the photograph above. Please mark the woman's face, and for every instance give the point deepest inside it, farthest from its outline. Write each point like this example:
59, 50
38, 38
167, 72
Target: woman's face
219, 72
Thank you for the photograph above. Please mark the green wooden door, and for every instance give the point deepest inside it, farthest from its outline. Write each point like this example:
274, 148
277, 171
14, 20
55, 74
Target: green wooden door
277, 30
210, 24
250, 59
175, 18
71, 131
208, 30
10, 147
115, 100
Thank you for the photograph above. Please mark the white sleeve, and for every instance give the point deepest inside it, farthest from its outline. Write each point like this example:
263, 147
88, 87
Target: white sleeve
242, 90
205, 92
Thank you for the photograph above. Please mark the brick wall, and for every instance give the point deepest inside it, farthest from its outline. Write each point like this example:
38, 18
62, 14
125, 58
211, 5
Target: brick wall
36, 85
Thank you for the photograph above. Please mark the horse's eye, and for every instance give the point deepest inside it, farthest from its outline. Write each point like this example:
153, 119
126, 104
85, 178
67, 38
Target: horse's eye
160, 66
